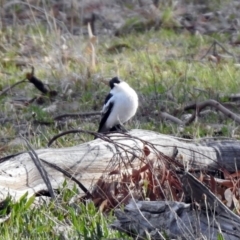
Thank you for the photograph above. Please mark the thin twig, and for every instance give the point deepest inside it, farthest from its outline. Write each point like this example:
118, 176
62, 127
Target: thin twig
73, 115
3, 159
85, 190
40, 168
223, 48
95, 134
213, 46
11, 87
208, 51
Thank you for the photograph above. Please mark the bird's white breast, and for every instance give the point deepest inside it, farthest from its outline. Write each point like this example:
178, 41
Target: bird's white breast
125, 102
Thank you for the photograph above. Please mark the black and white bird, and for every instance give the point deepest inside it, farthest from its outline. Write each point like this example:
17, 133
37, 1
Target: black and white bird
120, 105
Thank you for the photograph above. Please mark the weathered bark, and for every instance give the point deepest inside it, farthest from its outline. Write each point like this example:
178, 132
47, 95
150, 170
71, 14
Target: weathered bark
180, 220
87, 162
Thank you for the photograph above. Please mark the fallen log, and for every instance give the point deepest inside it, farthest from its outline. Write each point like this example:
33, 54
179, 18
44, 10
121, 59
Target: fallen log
89, 162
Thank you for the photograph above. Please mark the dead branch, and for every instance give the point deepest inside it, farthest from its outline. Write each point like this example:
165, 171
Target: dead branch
214, 50
54, 138
81, 186
224, 49
76, 115
213, 46
210, 103
167, 116
4, 91
41, 169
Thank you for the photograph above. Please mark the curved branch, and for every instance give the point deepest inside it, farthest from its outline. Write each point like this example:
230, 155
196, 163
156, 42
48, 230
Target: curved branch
210, 103
95, 134
75, 115
85, 190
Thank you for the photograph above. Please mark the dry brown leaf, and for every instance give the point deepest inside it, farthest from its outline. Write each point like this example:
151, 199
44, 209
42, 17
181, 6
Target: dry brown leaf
146, 151
212, 184
116, 171
103, 205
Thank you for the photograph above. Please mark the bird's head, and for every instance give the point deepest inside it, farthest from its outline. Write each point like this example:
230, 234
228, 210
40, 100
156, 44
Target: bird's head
114, 81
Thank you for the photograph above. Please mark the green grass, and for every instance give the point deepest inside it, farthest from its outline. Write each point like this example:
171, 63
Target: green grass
56, 220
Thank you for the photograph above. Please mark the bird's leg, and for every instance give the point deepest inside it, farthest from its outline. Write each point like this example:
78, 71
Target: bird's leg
118, 128
122, 128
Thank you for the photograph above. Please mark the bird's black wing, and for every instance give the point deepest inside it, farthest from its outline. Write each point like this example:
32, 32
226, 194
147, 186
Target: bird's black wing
102, 127
107, 98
